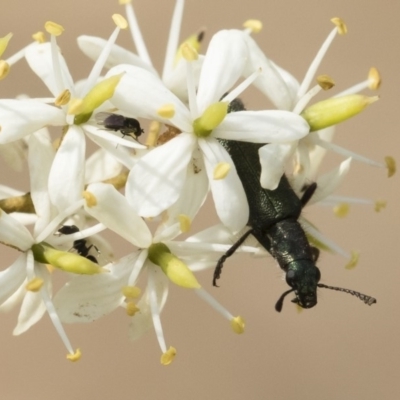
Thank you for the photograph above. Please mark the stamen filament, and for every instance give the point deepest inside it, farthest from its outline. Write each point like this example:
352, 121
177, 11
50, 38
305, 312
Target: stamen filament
51, 227
155, 312
56, 65
99, 64
242, 86
137, 35
303, 101
191, 87
344, 152
214, 303
330, 244
173, 38
137, 267
315, 63
84, 233
50, 306
18, 55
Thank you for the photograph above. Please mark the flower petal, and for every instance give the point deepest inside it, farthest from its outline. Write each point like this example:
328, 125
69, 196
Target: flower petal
19, 118
272, 126
141, 94
329, 182
41, 156
32, 308
142, 321
276, 83
12, 277
228, 193
92, 47
156, 181
273, 159
66, 179
222, 66
112, 209
13, 233
87, 298
39, 58
192, 197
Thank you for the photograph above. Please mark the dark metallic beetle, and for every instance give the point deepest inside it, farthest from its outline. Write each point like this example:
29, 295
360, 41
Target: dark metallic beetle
115, 122
79, 245
274, 223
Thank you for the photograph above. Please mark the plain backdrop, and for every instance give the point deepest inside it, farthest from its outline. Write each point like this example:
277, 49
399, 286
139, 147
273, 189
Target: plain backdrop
341, 349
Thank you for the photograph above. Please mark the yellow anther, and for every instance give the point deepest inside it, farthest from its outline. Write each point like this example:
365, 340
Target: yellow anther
390, 165
341, 210
123, 2
4, 69
355, 255
299, 309
175, 269
221, 170
74, 106
90, 198
325, 81
341, 26
380, 205
131, 308
166, 111
34, 285
154, 131
184, 222
120, 21
237, 324
74, 356
132, 292
189, 53
63, 98
4, 43
50, 268
168, 356
255, 25
374, 79
53, 28
39, 37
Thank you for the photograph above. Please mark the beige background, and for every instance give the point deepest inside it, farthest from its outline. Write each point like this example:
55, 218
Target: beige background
341, 349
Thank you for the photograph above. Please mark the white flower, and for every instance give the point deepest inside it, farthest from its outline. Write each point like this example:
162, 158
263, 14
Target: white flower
26, 279
174, 69
85, 299
288, 94
156, 181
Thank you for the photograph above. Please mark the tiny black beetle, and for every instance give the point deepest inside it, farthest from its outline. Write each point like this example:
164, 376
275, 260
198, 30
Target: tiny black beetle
274, 223
116, 122
79, 245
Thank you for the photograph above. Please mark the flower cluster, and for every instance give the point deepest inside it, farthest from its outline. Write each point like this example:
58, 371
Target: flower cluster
185, 116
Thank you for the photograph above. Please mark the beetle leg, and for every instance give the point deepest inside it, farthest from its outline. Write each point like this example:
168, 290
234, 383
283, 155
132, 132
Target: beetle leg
235, 246
308, 193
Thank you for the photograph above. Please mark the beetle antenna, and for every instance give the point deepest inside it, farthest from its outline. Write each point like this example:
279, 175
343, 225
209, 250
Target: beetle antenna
279, 303
366, 299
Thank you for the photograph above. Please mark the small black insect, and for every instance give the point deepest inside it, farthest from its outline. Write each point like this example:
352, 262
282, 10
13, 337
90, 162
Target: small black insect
273, 221
115, 122
79, 245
